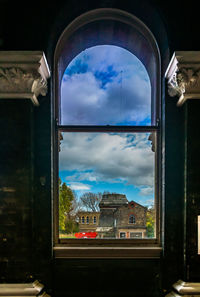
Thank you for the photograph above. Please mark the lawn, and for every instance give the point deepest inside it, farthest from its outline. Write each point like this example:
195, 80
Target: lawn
65, 235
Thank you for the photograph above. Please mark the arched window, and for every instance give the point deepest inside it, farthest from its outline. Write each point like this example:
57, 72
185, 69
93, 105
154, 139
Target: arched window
94, 220
105, 85
83, 220
131, 219
87, 220
107, 89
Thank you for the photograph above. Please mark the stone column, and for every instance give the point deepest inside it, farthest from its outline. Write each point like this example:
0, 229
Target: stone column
24, 130
183, 77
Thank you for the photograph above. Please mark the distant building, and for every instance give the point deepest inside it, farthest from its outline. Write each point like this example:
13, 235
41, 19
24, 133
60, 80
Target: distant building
88, 221
120, 218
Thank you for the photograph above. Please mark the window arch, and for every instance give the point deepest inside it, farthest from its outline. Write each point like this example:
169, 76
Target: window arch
115, 89
114, 28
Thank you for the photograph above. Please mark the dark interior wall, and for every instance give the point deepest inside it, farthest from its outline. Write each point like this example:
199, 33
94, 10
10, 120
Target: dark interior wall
15, 190
25, 203
25, 158
192, 194
173, 260
107, 277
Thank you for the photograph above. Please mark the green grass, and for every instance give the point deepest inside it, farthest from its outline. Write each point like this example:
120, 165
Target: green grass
65, 235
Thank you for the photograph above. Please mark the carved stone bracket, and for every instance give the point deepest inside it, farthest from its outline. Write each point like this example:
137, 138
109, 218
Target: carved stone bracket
183, 75
23, 74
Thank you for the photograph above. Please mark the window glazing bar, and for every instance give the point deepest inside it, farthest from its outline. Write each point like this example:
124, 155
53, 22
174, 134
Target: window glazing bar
108, 128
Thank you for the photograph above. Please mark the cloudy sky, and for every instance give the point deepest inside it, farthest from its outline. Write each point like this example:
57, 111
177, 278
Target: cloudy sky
107, 85
97, 162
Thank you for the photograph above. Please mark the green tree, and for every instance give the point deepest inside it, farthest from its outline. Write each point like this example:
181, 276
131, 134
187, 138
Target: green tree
150, 222
66, 197
71, 225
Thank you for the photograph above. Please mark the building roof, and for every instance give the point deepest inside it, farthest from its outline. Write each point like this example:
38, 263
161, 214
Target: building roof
113, 200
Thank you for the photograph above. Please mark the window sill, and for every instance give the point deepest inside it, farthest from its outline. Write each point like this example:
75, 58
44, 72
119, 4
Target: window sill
108, 252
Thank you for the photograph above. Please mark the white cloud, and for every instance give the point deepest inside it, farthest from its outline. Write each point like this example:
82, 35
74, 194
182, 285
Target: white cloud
82, 176
109, 157
79, 186
149, 202
126, 97
146, 191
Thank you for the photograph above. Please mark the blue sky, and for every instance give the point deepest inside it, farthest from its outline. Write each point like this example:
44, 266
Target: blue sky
107, 85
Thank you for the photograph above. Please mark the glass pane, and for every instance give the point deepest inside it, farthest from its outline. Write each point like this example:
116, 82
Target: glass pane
105, 85
107, 185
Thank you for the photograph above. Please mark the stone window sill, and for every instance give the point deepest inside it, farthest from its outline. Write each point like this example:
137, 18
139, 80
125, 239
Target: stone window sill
107, 252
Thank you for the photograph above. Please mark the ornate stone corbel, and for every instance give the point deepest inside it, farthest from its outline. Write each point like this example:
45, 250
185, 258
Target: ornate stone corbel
23, 74
152, 138
183, 75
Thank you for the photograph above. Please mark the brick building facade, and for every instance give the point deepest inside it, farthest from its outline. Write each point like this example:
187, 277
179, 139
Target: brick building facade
88, 221
118, 218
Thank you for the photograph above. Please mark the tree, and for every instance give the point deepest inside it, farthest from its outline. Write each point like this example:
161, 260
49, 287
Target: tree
90, 201
66, 197
71, 225
150, 222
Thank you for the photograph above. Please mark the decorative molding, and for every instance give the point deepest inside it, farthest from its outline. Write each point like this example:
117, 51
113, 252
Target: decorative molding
183, 75
187, 289
23, 74
60, 138
152, 138
24, 289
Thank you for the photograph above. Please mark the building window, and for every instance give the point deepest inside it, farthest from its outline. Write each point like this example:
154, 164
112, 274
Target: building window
87, 220
83, 220
122, 235
135, 234
132, 219
108, 122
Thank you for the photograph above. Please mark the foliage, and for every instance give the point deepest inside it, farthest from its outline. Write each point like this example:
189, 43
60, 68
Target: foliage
90, 201
150, 222
71, 226
66, 197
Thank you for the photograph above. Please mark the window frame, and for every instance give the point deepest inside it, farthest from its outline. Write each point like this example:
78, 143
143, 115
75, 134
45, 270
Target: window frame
108, 248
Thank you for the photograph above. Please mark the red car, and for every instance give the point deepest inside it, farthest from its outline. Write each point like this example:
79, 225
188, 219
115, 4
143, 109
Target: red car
86, 235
